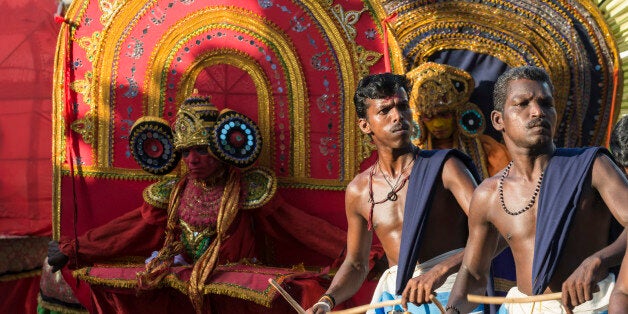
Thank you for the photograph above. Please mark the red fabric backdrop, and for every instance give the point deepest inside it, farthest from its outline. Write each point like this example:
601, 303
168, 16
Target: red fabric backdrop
28, 34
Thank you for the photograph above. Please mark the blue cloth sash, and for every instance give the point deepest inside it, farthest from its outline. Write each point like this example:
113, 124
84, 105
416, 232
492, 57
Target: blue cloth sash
560, 193
425, 172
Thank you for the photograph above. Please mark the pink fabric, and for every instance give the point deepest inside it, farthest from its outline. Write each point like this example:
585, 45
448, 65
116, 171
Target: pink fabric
26, 58
244, 279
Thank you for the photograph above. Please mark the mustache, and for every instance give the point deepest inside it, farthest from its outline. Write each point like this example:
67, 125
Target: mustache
400, 126
538, 122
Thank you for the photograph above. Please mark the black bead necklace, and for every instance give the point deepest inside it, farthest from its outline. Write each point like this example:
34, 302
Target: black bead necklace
500, 188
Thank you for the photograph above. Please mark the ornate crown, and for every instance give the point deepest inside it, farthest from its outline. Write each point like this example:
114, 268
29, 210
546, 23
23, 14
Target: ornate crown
194, 121
436, 86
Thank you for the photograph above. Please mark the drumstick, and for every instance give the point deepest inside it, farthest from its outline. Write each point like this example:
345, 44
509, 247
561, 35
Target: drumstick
286, 296
366, 307
499, 300
437, 303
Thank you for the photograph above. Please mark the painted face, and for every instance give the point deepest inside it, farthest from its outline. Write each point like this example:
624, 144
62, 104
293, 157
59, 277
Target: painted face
201, 164
529, 116
440, 124
388, 120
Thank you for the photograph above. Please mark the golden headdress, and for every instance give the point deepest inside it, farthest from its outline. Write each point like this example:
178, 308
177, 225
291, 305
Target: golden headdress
437, 87
194, 121
232, 137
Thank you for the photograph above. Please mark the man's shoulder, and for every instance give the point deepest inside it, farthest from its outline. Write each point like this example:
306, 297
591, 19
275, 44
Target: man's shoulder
358, 188
486, 189
360, 181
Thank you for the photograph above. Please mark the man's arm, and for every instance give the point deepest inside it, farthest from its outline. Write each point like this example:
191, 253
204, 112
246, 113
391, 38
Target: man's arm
612, 186
355, 267
619, 298
481, 245
458, 180
582, 283
137, 232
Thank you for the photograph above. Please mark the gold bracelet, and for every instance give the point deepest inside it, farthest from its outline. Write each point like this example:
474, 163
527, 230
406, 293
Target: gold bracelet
327, 298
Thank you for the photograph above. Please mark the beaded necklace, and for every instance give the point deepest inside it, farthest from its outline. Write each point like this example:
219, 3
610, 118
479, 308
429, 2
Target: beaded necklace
201, 201
500, 189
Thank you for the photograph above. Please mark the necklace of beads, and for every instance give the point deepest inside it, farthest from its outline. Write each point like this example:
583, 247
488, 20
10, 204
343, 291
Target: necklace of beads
200, 205
500, 189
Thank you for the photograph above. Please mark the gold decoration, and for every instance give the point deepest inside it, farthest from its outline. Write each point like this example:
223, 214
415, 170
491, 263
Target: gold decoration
90, 45
193, 236
265, 103
85, 126
83, 87
260, 184
158, 193
194, 120
366, 59
437, 87
109, 8
347, 19
264, 298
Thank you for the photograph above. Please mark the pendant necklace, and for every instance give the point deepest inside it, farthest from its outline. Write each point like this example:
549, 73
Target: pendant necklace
392, 195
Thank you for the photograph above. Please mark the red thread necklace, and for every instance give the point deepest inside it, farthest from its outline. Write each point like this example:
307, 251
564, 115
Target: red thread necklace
392, 195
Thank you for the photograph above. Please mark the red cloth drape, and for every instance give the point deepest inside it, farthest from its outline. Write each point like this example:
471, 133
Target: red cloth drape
19, 296
26, 65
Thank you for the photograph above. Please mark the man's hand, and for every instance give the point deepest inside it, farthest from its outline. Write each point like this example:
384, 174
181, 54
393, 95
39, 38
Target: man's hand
56, 259
419, 289
319, 308
582, 283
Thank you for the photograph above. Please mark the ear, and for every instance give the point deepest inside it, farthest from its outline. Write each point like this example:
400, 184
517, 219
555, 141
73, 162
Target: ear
364, 126
497, 120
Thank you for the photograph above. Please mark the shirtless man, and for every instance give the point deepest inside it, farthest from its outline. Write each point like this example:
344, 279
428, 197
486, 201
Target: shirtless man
375, 199
619, 148
579, 190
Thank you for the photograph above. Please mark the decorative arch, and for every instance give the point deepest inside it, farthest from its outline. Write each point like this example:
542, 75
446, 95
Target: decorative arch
565, 37
265, 102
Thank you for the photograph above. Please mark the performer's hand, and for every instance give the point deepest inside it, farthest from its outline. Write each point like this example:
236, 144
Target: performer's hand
582, 283
419, 289
56, 259
319, 308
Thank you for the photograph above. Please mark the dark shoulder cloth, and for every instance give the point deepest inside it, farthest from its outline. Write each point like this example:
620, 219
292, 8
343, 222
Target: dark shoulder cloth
425, 172
560, 193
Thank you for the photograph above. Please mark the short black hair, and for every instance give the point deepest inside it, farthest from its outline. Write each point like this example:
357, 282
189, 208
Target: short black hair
377, 86
532, 73
619, 141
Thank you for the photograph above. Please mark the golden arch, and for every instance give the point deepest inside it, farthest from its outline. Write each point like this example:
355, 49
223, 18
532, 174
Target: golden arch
245, 21
249, 65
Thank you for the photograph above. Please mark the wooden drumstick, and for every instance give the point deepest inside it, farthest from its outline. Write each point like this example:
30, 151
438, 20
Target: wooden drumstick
366, 307
286, 296
500, 300
437, 303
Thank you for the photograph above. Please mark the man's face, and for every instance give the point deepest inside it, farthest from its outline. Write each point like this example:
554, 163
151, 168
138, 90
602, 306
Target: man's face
201, 165
388, 120
529, 116
439, 124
